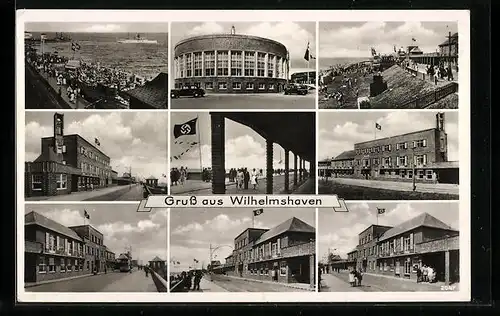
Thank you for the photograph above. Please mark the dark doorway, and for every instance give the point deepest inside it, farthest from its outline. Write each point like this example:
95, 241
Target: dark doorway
448, 176
435, 260
30, 267
300, 269
74, 183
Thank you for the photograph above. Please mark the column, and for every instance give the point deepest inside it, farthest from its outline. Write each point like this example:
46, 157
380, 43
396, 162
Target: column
202, 64
256, 56
295, 169
218, 153
229, 64
275, 65
312, 170
287, 172
215, 65
300, 169
266, 58
242, 67
269, 166
312, 271
447, 267
192, 65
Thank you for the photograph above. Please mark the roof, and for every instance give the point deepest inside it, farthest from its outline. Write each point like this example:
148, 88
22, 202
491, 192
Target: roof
152, 178
153, 93
292, 133
454, 39
399, 135
40, 220
291, 225
348, 154
155, 259
422, 220
415, 50
122, 256
240, 36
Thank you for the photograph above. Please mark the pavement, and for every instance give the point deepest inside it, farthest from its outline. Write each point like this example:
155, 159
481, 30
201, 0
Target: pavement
205, 188
236, 284
113, 193
422, 68
332, 283
442, 188
38, 95
378, 283
80, 102
111, 282
247, 101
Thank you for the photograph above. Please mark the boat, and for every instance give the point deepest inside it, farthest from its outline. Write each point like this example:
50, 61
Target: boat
58, 38
138, 40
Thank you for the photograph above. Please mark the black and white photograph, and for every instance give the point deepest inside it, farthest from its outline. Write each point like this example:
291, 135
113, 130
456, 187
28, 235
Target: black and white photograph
105, 156
94, 248
243, 65
389, 155
242, 153
390, 247
243, 250
388, 65
73, 65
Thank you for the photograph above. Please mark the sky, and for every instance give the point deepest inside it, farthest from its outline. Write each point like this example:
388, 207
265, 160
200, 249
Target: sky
121, 225
244, 147
339, 231
294, 35
132, 139
339, 132
354, 39
85, 27
193, 230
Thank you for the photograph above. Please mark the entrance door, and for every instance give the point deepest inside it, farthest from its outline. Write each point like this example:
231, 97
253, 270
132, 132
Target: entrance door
74, 183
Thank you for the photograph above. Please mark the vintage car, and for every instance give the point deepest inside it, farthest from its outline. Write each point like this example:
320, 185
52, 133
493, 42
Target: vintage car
296, 89
187, 92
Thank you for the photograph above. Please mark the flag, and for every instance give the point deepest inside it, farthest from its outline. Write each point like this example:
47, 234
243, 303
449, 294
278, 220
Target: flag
178, 262
97, 142
378, 126
75, 46
413, 39
380, 211
307, 55
258, 212
394, 48
188, 128
195, 260
163, 175
87, 216
374, 52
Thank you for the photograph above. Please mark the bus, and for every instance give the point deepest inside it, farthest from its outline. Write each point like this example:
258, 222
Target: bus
124, 264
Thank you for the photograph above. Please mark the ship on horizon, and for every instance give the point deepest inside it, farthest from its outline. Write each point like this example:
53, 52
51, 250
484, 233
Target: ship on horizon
58, 38
138, 40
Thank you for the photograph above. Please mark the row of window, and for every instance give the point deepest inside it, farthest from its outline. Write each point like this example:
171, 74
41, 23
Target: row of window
365, 239
37, 181
408, 268
399, 146
90, 168
272, 248
57, 244
404, 243
91, 155
418, 160
65, 265
234, 85
228, 62
264, 269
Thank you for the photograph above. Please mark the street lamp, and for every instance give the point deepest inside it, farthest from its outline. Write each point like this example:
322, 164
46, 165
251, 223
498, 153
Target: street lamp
212, 250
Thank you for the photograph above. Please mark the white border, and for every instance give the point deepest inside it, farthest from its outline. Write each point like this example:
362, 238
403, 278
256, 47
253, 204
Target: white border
461, 16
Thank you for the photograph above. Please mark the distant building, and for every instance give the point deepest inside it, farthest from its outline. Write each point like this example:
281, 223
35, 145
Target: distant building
67, 163
401, 250
159, 266
152, 182
95, 251
152, 95
288, 248
110, 258
304, 77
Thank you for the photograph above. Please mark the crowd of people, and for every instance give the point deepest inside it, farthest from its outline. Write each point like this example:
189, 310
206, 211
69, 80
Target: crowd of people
426, 274
243, 177
178, 176
355, 277
186, 281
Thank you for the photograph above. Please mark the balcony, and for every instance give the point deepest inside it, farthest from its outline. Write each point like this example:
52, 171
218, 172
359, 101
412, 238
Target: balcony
396, 253
60, 251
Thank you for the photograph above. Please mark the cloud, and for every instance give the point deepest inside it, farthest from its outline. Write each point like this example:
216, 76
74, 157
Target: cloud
206, 28
136, 140
103, 28
66, 217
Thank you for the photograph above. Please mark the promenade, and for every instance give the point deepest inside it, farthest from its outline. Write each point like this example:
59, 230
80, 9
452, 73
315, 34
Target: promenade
122, 193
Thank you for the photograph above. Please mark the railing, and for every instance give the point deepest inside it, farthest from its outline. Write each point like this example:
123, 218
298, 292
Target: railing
160, 283
432, 96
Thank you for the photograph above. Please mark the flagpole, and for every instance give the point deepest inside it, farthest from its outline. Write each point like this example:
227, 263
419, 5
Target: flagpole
199, 142
375, 131
253, 219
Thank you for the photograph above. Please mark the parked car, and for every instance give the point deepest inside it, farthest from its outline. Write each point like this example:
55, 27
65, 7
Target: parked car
296, 89
187, 92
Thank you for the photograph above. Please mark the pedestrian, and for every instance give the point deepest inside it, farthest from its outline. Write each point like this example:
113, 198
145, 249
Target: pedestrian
360, 277
146, 271
425, 273
105, 270
352, 279
197, 280
419, 275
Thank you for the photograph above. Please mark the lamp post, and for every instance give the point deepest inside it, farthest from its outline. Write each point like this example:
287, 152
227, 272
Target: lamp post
212, 250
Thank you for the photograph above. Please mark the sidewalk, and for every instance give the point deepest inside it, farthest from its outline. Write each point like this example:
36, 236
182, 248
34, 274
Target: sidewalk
443, 188
133, 282
209, 286
80, 102
299, 286
435, 285
31, 284
83, 195
193, 186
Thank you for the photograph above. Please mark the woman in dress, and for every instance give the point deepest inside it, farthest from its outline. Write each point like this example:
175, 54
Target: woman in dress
351, 278
253, 178
239, 179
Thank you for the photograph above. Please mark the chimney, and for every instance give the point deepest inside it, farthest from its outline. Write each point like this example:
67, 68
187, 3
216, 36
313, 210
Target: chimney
58, 133
233, 30
440, 121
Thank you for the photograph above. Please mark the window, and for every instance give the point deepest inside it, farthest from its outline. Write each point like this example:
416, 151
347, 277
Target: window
222, 85
88, 265
401, 146
209, 64
52, 265
403, 173
236, 64
270, 66
421, 159
189, 65
274, 249
407, 266
420, 174
421, 143
77, 268
209, 85
250, 86
366, 162
278, 66
222, 64
271, 86
236, 85
375, 161
63, 265
262, 86
42, 265
428, 174
401, 161
62, 181
386, 148
262, 269
197, 65
410, 174
283, 268
406, 245
250, 64
36, 182
387, 161
261, 64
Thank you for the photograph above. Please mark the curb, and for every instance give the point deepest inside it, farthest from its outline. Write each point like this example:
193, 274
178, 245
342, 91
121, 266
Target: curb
61, 280
290, 285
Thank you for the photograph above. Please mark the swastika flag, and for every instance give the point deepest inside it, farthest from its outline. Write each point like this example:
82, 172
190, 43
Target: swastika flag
188, 128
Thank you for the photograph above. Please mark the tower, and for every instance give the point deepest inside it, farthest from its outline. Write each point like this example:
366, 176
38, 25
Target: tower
441, 139
233, 30
440, 121
59, 133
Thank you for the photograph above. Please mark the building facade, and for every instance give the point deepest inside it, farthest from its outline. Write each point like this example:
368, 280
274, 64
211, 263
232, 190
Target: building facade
304, 77
67, 163
231, 63
422, 155
288, 249
95, 251
401, 250
52, 251
110, 258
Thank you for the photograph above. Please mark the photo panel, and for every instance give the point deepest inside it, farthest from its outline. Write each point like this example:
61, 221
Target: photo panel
243, 250
388, 65
94, 248
242, 153
103, 156
243, 65
389, 155
390, 247
84, 65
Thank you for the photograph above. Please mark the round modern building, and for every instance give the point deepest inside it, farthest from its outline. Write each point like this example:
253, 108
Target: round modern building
231, 63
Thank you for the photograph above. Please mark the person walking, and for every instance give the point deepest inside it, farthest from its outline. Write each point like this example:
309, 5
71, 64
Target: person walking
253, 178
246, 178
352, 280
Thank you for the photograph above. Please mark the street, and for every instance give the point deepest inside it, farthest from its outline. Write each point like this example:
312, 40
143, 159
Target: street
241, 285
247, 101
339, 282
443, 188
113, 193
110, 282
